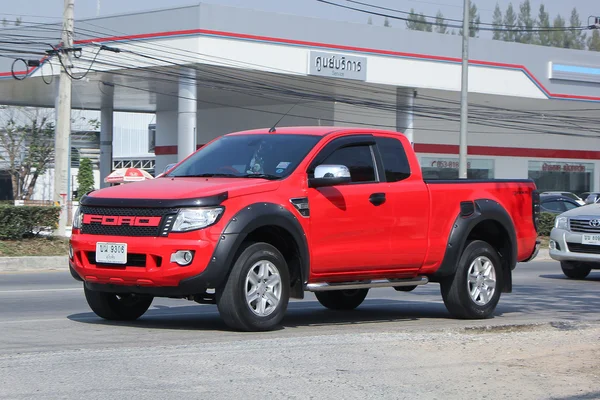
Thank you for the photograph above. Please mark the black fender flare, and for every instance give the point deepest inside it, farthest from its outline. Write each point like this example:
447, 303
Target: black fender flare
248, 219
472, 213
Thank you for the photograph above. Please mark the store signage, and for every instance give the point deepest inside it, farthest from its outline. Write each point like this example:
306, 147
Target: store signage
589, 74
563, 167
334, 65
447, 164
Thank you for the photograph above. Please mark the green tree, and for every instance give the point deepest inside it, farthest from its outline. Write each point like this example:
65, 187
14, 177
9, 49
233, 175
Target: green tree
441, 24
544, 37
27, 144
4, 22
526, 24
85, 178
412, 22
18, 21
497, 23
474, 21
370, 21
593, 42
557, 36
574, 38
418, 22
386, 22
510, 24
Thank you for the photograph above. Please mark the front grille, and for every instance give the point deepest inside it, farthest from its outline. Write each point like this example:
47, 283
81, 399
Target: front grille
133, 260
167, 216
122, 230
583, 225
584, 248
129, 212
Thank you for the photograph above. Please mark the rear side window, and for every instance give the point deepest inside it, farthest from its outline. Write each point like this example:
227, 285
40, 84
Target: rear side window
395, 162
358, 159
554, 206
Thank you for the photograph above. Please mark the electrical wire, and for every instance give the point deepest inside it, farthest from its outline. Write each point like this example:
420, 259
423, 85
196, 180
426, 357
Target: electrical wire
579, 28
286, 92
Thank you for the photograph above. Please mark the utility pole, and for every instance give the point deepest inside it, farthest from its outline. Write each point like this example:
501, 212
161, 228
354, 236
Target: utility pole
63, 122
464, 114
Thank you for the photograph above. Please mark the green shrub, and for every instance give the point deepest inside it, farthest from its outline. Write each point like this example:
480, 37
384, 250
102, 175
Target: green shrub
85, 178
546, 223
17, 222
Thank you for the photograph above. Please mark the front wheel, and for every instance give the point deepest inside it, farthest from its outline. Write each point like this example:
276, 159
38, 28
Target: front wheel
256, 294
117, 307
575, 270
474, 290
347, 299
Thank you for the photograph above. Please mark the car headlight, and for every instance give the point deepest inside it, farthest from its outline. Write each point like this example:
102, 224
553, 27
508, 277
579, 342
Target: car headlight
561, 222
77, 219
189, 219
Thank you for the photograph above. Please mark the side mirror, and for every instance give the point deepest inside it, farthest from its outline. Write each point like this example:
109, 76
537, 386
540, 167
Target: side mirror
330, 175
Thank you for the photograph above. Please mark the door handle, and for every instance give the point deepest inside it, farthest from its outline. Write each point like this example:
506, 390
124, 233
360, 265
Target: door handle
377, 199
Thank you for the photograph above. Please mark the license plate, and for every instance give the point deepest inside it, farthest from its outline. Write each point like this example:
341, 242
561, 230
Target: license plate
111, 253
591, 239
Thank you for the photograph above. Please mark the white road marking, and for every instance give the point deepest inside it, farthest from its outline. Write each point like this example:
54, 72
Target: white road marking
39, 290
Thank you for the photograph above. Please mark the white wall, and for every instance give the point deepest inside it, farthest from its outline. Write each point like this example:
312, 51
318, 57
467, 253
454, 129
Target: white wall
215, 122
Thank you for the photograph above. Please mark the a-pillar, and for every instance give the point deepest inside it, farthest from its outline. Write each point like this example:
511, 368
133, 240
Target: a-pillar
186, 114
405, 102
106, 132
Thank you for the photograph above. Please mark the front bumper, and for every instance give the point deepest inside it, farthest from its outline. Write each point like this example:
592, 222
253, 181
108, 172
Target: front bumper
559, 247
157, 276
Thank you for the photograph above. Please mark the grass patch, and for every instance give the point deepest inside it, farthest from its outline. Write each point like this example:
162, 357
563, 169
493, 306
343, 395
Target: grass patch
39, 246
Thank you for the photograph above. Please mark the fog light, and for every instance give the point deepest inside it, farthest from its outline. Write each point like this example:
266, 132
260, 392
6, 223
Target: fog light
70, 252
552, 245
182, 257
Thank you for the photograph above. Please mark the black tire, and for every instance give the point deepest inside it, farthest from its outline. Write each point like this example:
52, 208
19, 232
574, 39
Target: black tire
456, 289
347, 299
117, 307
231, 298
575, 270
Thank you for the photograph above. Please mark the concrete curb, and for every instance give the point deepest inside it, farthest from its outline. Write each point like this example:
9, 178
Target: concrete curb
24, 264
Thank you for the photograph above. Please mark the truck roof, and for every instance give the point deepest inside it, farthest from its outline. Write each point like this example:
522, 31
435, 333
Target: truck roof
310, 130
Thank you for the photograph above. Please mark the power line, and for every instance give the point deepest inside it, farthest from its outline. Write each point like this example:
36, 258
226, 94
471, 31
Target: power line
579, 28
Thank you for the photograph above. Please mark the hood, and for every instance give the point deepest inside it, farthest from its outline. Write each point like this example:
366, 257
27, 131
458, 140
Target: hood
173, 189
591, 210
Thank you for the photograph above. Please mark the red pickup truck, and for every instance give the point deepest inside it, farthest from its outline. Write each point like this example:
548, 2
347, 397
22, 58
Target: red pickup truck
255, 218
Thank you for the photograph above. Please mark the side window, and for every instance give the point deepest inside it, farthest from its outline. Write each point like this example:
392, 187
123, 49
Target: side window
395, 162
554, 206
569, 205
359, 161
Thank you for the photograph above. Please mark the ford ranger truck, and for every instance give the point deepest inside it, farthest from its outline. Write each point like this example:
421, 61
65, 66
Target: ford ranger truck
255, 218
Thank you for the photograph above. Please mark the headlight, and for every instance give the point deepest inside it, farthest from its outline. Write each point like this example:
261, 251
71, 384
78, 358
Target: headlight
189, 219
77, 218
561, 222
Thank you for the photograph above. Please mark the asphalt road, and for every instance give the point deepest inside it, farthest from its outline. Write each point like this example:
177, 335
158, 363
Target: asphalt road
52, 346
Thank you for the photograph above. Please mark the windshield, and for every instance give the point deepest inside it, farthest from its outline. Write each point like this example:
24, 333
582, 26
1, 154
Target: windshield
269, 156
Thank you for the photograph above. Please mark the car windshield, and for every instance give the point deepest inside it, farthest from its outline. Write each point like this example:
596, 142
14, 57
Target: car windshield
269, 156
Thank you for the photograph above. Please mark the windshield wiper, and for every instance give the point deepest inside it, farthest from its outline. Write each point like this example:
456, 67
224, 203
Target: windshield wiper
262, 176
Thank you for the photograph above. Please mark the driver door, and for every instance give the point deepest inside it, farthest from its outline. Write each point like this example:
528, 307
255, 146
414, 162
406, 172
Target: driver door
350, 227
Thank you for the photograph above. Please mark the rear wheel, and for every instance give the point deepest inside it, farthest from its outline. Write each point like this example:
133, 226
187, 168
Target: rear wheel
575, 270
117, 307
256, 294
347, 299
474, 290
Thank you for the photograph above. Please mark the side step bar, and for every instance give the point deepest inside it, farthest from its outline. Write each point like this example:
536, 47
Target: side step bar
325, 286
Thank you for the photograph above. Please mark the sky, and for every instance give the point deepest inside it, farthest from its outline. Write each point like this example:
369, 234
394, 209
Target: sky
35, 11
